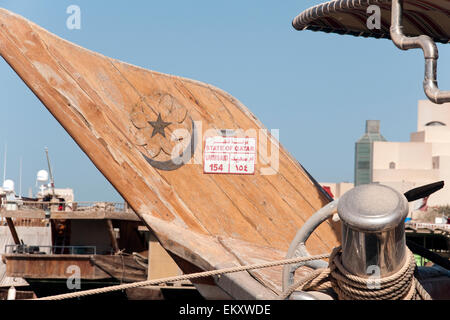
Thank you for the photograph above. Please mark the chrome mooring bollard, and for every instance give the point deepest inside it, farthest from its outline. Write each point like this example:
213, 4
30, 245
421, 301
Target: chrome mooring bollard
373, 230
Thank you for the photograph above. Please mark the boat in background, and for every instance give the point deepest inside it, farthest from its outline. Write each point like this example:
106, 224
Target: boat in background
48, 240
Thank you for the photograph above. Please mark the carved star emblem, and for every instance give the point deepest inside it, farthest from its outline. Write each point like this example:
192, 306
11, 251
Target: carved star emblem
158, 126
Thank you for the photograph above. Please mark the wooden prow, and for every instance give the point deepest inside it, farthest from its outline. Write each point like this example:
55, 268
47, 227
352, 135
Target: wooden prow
206, 221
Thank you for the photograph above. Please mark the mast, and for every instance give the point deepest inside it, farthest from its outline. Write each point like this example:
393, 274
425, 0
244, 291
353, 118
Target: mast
20, 178
4, 163
52, 181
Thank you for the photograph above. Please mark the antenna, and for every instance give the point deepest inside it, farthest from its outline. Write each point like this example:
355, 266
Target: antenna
52, 181
4, 162
20, 178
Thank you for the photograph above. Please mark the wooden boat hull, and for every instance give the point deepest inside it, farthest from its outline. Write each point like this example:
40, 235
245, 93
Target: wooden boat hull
208, 221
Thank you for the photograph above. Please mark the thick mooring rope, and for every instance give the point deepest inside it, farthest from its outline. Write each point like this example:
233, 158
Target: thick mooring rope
402, 285
184, 277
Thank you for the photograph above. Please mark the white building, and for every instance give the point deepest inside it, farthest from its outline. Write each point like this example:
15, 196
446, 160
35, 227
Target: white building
422, 160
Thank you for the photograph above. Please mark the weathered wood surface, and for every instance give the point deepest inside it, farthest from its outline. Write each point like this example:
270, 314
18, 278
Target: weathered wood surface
106, 106
13, 231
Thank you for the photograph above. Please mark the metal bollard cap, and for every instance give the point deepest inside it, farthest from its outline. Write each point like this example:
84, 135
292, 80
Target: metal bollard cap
372, 208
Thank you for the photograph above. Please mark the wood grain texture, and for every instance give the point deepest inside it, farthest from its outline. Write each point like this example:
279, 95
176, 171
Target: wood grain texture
105, 105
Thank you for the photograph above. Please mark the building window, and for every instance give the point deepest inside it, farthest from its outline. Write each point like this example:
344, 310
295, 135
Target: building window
363, 165
392, 165
435, 164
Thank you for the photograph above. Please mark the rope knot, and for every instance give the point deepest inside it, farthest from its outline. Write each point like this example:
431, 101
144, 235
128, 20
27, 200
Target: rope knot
402, 285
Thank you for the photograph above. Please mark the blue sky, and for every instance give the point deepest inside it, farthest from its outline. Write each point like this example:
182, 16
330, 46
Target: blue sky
317, 88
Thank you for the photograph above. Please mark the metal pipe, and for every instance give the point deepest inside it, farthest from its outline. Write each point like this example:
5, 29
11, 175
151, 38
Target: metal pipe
297, 247
430, 50
373, 230
299, 295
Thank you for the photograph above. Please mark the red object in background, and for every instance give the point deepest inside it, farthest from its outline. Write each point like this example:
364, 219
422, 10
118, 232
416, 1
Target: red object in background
424, 206
328, 190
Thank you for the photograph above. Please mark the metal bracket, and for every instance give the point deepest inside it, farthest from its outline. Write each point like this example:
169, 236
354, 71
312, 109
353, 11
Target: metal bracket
430, 51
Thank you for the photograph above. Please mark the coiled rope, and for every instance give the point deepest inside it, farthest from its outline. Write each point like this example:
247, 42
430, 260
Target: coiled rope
401, 285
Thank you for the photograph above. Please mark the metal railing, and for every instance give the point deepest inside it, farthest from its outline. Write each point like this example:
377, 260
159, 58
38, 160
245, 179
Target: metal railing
25, 222
431, 226
39, 249
65, 206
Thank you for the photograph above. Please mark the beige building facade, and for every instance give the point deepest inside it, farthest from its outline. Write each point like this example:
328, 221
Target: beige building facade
422, 160
337, 189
